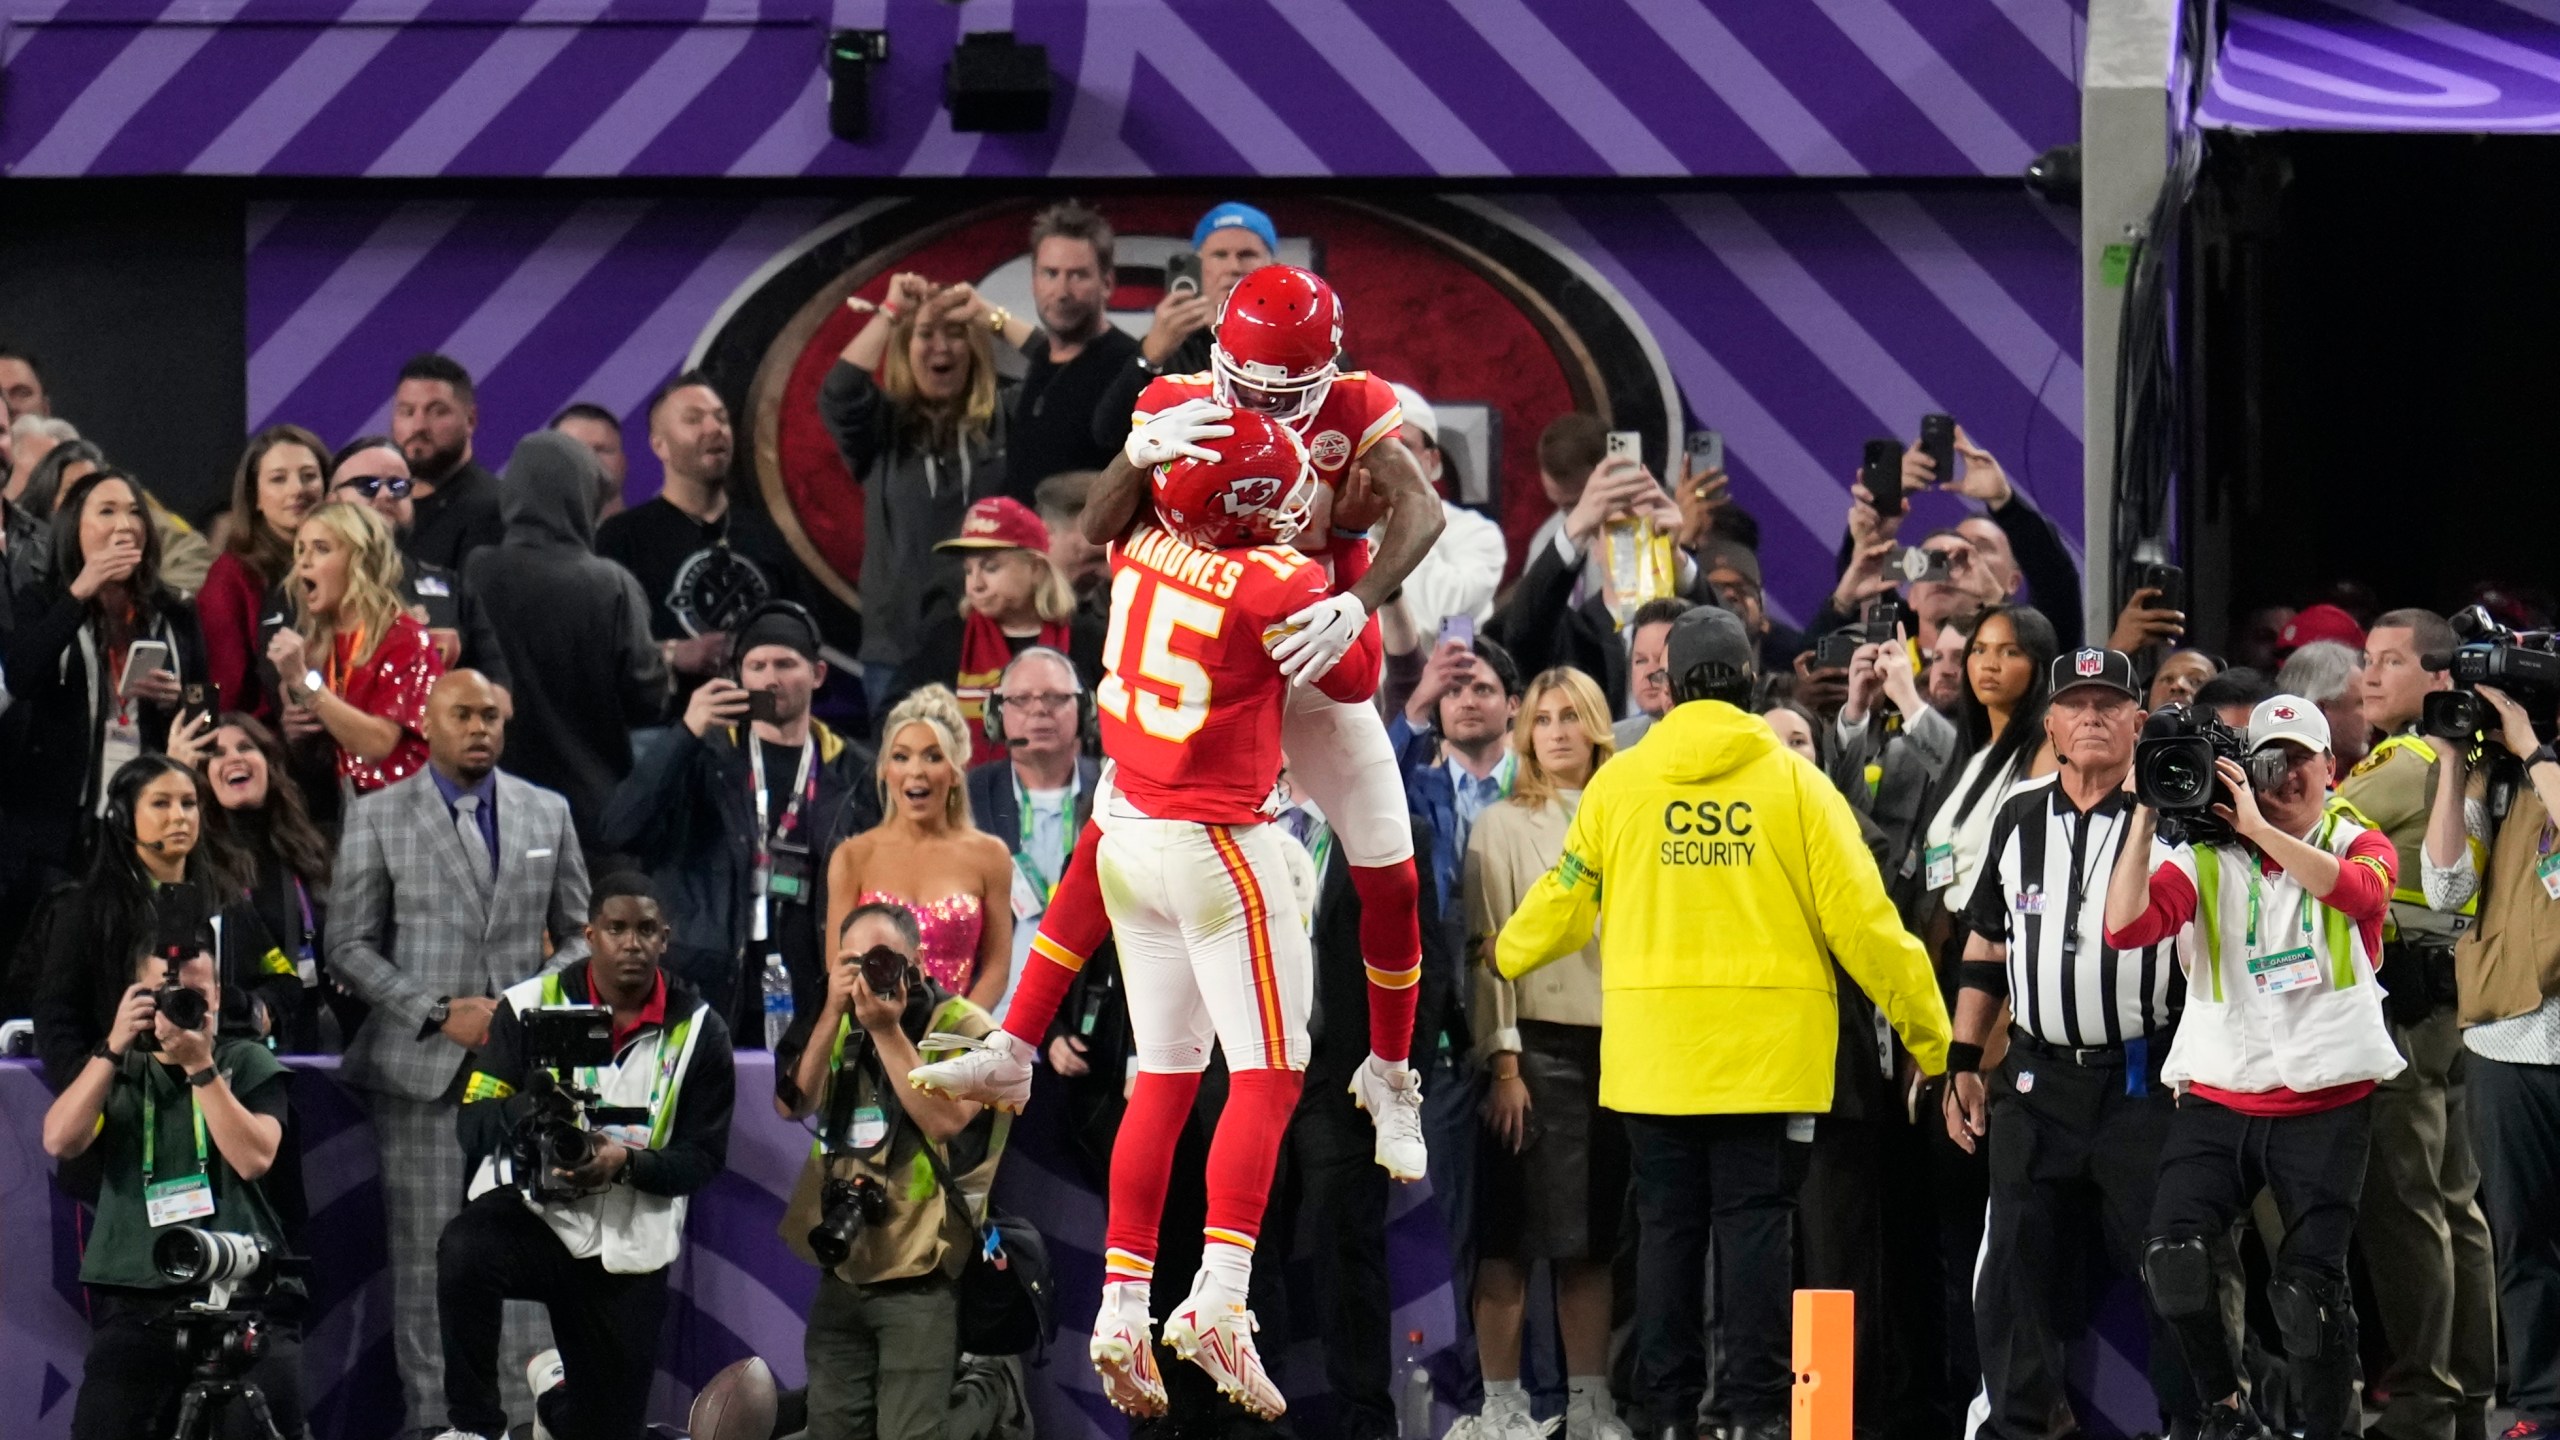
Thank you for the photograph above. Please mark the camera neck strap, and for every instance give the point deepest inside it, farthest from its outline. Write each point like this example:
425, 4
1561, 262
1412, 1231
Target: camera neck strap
151, 1135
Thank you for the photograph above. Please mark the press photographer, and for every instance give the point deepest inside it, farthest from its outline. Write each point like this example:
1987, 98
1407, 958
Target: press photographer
2488, 848
2277, 911
873, 1207
188, 1124
587, 1129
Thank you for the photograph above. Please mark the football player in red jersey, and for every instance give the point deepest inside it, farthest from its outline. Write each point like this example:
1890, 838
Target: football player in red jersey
1198, 886
1275, 357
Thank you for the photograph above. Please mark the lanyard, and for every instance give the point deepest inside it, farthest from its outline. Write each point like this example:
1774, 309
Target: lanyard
151, 1134
2082, 874
804, 787
668, 1055
342, 657
2253, 908
302, 898
1040, 880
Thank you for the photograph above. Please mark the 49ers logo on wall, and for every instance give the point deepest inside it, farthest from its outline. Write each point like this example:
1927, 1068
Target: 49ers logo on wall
1496, 324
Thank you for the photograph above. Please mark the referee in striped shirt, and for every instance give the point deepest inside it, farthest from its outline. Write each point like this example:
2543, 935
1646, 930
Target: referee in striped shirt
2076, 1111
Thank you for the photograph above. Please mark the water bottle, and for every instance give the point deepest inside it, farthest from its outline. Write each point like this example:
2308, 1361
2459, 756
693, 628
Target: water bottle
1413, 1393
777, 1002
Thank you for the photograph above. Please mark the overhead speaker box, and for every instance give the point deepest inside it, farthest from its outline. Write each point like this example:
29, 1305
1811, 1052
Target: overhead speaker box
995, 84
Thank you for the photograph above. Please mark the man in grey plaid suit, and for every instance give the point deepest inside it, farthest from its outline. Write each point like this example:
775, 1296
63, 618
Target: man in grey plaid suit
447, 886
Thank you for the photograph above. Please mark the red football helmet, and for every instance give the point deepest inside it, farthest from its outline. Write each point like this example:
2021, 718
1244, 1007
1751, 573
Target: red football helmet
1257, 492
1276, 341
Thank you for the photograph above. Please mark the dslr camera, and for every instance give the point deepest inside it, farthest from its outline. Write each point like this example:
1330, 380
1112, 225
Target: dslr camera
185, 1007
2173, 772
559, 1133
846, 1203
2520, 663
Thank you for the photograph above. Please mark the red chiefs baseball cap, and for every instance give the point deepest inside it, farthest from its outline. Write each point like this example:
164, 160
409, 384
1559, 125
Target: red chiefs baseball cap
999, 522
2320, 622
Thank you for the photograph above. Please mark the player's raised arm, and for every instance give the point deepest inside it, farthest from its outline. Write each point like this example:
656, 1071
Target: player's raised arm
1413, 523
1157, 439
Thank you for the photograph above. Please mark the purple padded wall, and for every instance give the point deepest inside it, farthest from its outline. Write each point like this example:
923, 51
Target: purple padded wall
1449, 88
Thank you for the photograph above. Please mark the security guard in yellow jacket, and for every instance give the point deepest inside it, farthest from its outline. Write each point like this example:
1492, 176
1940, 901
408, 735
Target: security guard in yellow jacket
1726, 874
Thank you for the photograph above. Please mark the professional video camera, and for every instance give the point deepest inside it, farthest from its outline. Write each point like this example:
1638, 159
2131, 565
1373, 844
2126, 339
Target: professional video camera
2173, 772
2520, 663
220, 1337
558, 1133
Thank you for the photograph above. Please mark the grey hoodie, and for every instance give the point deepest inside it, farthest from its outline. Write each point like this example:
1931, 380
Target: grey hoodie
566, 631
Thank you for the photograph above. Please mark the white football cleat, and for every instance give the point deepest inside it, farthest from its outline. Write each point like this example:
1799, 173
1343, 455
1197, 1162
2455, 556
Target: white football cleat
1392, 1094
1124, 1357
994, 1071
542, 1374
1216, 1334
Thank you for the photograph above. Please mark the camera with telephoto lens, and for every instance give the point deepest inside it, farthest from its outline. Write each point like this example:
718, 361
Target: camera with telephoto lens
884, 970
559, 1132
2521, 664
846, 1203
183, 1005
2173, 772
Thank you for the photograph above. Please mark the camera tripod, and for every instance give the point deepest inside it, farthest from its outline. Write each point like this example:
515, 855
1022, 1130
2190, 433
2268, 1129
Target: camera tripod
221, 1372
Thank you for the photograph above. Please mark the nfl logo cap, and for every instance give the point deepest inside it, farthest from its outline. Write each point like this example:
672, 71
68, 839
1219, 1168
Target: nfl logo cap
2110, 668
2288, 717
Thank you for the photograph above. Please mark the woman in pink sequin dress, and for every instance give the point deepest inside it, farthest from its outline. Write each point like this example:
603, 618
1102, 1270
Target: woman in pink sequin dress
927, 856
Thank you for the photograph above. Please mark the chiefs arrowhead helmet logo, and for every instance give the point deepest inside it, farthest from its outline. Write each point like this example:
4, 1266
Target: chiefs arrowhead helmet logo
2282, 712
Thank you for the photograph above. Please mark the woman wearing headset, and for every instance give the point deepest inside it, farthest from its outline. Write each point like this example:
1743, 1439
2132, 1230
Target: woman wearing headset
154, 871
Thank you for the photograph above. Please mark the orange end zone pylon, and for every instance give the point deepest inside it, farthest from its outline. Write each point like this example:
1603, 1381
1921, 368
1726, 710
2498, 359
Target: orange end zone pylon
1826, 1364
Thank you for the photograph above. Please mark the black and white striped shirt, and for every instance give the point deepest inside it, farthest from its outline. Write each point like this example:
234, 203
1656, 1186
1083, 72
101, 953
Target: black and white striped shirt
2043, 894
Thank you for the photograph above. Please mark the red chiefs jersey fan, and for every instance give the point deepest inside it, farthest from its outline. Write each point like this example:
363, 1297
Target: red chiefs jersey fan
1257, 492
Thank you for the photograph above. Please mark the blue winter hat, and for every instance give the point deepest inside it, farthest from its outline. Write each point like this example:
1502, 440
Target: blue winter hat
1237, 215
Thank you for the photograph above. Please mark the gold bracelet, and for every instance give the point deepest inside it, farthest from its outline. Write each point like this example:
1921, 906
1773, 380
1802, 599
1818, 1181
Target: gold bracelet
999, 319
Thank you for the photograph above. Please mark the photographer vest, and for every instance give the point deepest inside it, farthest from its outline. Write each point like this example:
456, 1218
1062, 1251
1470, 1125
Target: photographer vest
2508, 962
2280, 987
631, 1231
922, 1232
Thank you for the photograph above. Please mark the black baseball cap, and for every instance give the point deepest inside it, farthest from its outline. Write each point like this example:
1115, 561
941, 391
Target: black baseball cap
1708, 635
2110, 668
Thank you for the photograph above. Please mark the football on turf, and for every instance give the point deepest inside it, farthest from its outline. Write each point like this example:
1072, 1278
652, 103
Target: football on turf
737, 1404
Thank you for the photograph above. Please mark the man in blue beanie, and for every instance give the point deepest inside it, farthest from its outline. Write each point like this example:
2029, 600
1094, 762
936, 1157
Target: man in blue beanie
1232, 240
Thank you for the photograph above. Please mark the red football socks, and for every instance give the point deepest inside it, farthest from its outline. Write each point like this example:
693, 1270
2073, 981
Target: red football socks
1141, 1168
1391, 936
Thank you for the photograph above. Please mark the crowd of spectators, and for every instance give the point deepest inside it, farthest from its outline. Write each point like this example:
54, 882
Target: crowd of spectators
405, 747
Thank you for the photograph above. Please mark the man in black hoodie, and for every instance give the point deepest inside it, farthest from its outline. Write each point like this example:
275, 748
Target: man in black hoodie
566, 631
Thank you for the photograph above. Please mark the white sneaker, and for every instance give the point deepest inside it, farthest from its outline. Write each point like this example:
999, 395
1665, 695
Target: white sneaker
1124, 1357
994, 1071
1598, 1421
1215, 1332
1392, 1094
1509, 1420
542, 1374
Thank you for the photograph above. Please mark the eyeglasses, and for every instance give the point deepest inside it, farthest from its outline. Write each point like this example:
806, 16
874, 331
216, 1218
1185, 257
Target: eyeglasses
1036, 702
371, 485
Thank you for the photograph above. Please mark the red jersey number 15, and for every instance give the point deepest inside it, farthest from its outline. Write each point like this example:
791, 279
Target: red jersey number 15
1173, 702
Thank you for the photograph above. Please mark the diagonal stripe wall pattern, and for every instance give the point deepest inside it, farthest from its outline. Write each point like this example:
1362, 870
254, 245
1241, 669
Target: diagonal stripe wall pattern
1447, 88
